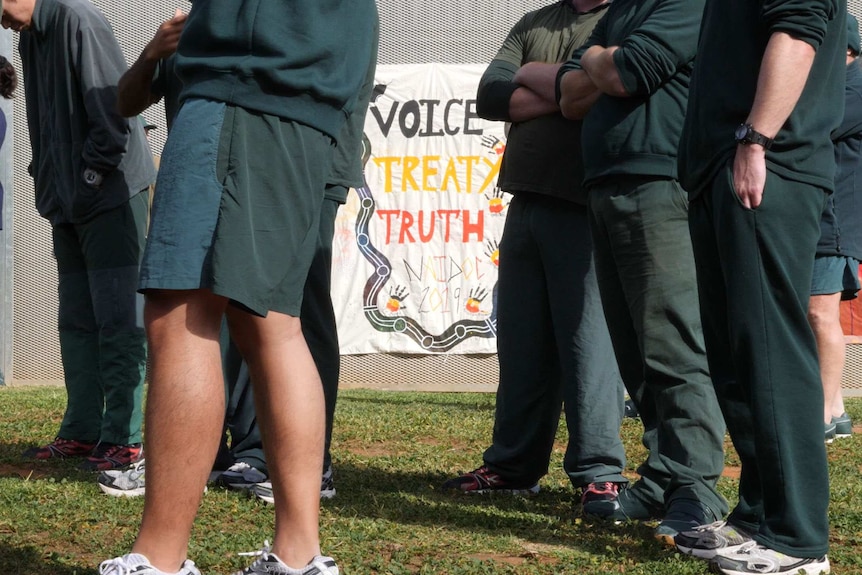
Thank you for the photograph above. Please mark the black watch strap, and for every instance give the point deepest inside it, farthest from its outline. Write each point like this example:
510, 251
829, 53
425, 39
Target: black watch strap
746, 134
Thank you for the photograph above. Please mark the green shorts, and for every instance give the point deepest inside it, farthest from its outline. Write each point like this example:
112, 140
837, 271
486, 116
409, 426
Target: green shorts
237, 207
835, 274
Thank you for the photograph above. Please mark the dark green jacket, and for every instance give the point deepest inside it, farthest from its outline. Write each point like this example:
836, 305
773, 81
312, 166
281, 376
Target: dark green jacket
543, 155
72, 63
348, 158
732, 43
639, 134
841, 224
302, 60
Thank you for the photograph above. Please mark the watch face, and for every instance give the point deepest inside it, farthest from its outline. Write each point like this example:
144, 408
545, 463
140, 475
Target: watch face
741, 132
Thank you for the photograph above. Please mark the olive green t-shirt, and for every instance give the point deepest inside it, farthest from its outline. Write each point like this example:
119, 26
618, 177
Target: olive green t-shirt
543, 155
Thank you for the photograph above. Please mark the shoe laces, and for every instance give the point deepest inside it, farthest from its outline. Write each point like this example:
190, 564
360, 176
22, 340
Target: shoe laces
113, 450
485, 474
262, 555
603, 488
748, 548
115, 566
714, 526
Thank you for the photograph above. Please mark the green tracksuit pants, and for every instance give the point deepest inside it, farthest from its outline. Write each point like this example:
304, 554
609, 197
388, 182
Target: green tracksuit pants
102, 341
647, 280
554, 349
754, 271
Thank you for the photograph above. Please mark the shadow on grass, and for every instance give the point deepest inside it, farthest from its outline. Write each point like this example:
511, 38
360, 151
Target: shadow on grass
31, 560
549, 518
12, 464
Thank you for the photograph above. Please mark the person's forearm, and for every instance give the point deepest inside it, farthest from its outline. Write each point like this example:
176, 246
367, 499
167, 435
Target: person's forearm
783, 73
526, 104
577, 94
134, 88
598, 63
539, 77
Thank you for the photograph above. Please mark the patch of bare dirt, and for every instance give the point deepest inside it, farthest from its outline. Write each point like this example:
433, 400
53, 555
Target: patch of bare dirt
370, 449
23, 470
731, 471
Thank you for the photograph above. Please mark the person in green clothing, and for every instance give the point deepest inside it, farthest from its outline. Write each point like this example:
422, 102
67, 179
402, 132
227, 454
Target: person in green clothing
759, 164
91, 168
836, 265
267, 89
629, 84
552, 340
241, 464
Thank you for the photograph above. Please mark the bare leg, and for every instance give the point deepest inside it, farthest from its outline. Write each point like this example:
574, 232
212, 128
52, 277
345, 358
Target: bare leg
184, 418
290, 410
824, 317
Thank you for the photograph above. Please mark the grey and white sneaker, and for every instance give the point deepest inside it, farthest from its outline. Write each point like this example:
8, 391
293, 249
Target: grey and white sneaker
129, 482
263, 490
755, 558
705, 541
137, 564
268, 563
241, 476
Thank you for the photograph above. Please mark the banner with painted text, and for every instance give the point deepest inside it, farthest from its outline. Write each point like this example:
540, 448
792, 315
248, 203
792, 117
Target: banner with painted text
415, 249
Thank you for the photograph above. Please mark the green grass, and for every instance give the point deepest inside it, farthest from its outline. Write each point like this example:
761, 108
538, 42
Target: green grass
391, 452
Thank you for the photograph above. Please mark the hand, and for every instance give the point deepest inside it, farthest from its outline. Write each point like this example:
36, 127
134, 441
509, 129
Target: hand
749, 174
164, 43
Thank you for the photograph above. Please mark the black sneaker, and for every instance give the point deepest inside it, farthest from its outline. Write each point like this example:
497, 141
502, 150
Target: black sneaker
829, 431
483, 480
630, 410
843, 426
626, 506
683, 515
604, 491
241, 477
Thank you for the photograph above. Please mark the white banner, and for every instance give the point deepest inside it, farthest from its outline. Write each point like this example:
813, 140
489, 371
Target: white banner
415, 249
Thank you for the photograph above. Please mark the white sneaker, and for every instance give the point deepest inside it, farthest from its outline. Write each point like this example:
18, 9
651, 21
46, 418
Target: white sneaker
268, 563
705, 541
137, 564
755, 558
127, 483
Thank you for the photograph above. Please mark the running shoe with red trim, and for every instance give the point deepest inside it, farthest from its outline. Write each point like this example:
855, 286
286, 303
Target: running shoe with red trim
61, 448
112, 456
483, 480
600, 491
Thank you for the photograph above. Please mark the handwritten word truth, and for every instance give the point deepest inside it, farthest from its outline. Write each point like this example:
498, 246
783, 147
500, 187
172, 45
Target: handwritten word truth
426, 223
427, 174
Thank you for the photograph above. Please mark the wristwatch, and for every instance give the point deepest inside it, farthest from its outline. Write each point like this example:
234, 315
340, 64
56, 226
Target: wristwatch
93, 178
746, 134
